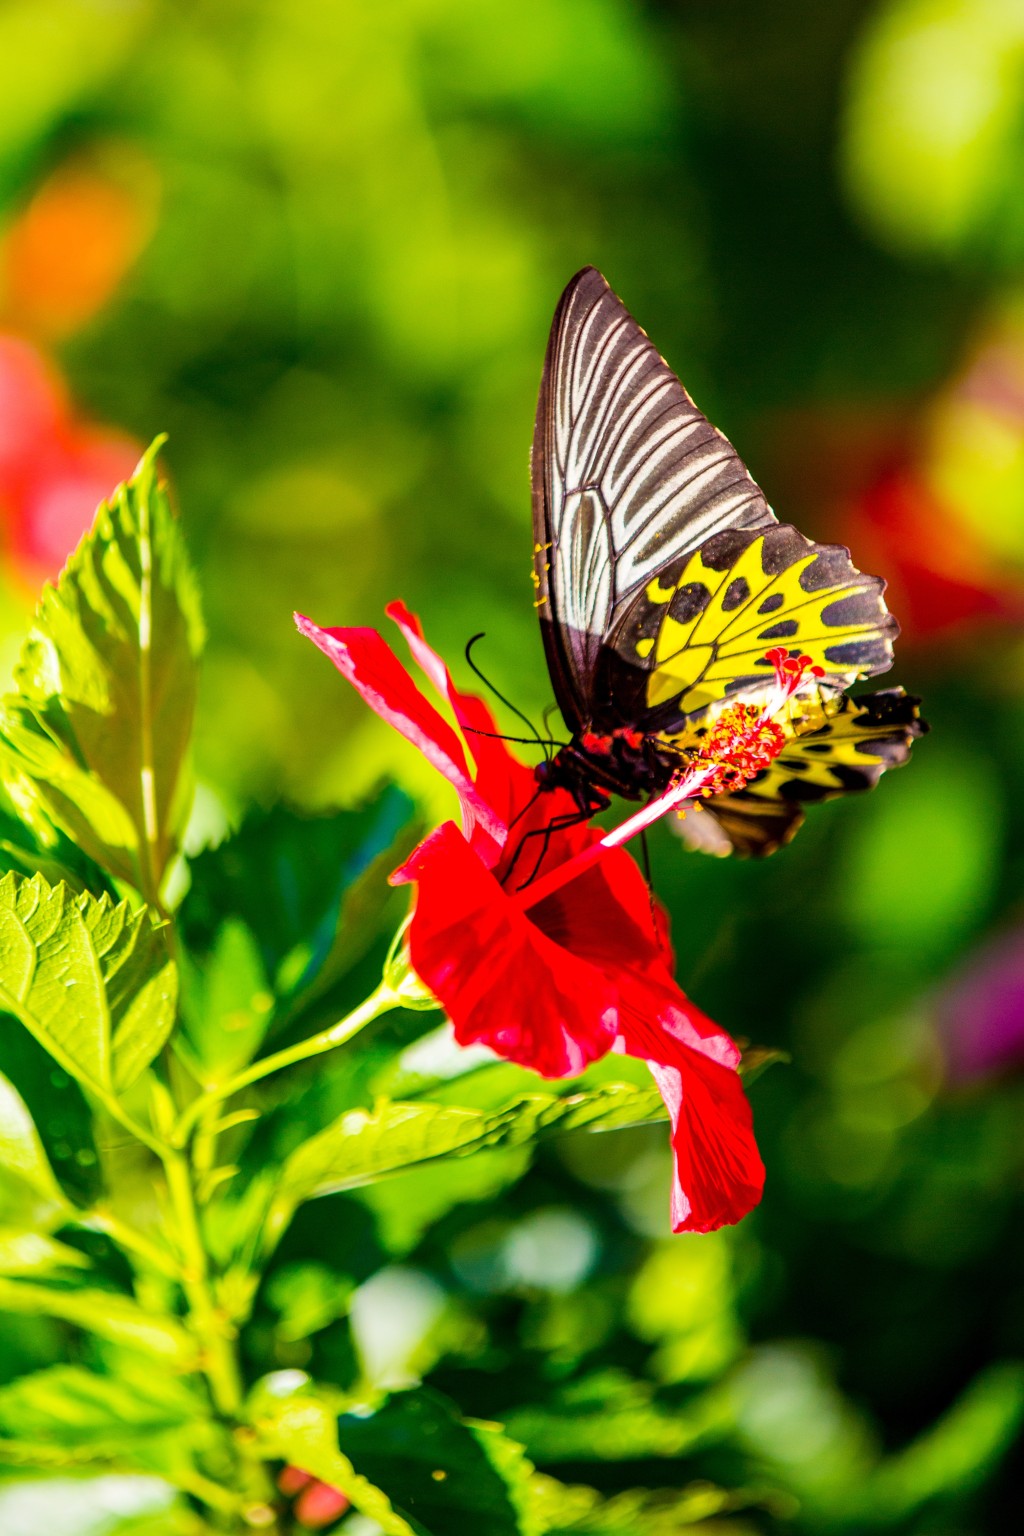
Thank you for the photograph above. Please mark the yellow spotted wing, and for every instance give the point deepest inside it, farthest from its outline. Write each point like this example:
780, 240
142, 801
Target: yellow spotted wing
847, 752
701, 628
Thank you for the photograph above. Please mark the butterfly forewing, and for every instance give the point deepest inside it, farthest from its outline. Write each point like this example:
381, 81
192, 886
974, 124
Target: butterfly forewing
628, 476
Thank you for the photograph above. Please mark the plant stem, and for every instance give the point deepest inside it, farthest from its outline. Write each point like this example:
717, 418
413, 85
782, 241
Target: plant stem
214, 1336
380, 1001
127, 1237
219, 1363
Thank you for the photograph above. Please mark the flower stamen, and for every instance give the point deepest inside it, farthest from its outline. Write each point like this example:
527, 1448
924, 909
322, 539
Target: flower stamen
738, 746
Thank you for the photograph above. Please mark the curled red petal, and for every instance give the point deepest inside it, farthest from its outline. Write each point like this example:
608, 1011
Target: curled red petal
371, 666
503, 781
501, 979
607, 916
718, 1175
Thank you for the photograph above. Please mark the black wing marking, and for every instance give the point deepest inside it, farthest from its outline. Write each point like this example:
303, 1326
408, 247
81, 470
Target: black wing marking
846, 755
627, 474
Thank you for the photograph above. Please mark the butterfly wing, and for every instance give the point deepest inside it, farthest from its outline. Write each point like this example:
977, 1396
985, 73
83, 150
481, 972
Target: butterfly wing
847, 754
701, 628
628, 477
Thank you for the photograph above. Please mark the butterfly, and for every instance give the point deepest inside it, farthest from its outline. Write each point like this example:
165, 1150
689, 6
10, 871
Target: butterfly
667, 588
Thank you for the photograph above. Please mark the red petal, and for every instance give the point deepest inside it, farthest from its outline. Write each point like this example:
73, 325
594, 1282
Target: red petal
607, 916
370, 665
503, 781
320, 1505
291, 1480
501, 979
718, 1175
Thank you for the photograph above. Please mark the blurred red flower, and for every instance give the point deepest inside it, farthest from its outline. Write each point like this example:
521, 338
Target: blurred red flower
316, 1504
61, 259
585, 970
939, 580
54, 468
64, 255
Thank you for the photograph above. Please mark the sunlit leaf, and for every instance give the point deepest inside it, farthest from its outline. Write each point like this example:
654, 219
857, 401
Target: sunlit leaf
70, 1406
277, 914
439, 1472
306, 1298
297, 1422
608, 1417
105, 1313
443, 1471
365, 1145
96, 738
29, 1192
637, 1512
26, 1252
93, 982
950, 1457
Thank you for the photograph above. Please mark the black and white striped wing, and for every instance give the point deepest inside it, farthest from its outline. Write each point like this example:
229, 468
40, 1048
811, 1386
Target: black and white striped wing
628, 475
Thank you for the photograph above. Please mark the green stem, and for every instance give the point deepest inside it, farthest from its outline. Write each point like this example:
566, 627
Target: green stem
219, 1362
380, 1001
128, 1237
214, 1334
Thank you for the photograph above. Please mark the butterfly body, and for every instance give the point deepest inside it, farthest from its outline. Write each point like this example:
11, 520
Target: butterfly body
625, 762
665, 584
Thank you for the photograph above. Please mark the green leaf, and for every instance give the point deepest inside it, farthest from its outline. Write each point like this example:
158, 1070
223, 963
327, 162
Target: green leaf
93, 982
414, 1464
96, 739
952, 1456
756, 1059
609, 1417
27, 1252
582, 1511
277, 914
444, 1472
72, 1407
227, 1004
29, 1192
306, 1298
362, 1145
107, 1314
297, 1422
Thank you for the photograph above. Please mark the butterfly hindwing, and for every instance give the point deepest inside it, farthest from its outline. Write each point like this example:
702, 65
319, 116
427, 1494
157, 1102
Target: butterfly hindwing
847, 753
628, 476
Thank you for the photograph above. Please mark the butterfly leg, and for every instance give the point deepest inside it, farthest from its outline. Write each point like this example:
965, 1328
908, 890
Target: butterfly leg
645, 860
556, 824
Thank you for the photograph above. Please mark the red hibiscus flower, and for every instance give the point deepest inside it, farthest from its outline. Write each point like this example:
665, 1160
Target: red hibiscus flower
556, 983
316, 1504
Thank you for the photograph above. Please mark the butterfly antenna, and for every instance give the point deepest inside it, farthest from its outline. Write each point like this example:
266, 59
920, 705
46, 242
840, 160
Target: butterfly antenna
523, 741
538, 738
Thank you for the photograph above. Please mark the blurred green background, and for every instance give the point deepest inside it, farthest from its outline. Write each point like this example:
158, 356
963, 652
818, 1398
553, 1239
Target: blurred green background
319, 244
